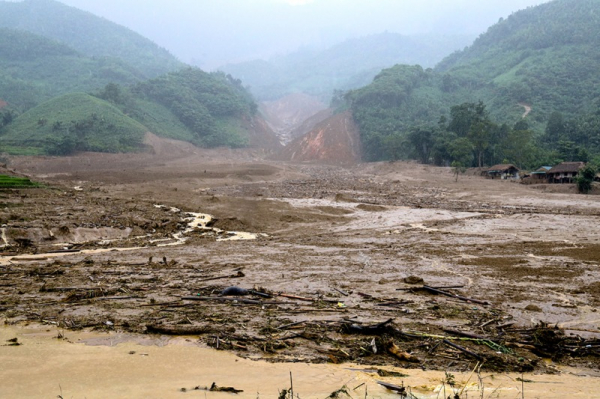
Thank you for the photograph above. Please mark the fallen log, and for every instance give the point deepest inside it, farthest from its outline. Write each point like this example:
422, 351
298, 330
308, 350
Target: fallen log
180, 329
374, 329
221, 299
449, 294
234, 299
465, 334
462, 349
237, 275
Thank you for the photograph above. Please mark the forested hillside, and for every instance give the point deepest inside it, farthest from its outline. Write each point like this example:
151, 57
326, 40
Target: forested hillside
43, 78
88, 34
71, 123
34, 69
540, 62
208, 110
208, 107
348, 65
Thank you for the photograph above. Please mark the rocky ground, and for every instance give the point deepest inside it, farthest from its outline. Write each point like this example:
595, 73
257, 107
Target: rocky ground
342, 268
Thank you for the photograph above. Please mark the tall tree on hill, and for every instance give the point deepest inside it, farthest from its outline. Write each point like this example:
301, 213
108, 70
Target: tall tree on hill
480, 134
422, 140
554, 128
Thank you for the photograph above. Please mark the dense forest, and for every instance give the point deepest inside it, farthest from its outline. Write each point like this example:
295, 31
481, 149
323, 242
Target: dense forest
205, 109
44, 78
34, 69
350, 64
87, 34
525, 92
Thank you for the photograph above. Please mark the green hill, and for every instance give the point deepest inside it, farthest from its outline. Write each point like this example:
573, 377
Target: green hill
73, 122
88, 34
207, 109
34, 69
50, 54
544, 57
350, 64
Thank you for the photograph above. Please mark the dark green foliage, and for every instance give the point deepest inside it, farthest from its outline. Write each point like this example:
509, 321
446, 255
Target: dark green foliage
71, 123
34, 69
87, 33
544, 57
203, 103
585, 178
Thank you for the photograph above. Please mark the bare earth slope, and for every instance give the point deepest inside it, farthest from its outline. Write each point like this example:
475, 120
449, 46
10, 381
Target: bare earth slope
285, 115
333, 141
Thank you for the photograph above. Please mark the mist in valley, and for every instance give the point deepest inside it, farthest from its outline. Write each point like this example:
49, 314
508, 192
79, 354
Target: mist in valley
214, 33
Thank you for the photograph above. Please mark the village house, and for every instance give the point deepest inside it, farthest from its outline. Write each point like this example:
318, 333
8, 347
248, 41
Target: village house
564, 172
502, 171
540, 174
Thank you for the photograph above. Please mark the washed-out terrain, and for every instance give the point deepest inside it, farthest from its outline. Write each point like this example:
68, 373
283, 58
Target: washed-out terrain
374, 265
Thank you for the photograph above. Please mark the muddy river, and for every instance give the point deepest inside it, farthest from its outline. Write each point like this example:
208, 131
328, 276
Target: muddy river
51, 362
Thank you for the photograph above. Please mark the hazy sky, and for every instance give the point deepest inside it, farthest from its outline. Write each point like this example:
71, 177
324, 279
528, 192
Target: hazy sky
214, 32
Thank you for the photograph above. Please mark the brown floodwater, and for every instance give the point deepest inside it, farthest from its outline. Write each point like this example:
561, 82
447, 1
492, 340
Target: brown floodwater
101, 365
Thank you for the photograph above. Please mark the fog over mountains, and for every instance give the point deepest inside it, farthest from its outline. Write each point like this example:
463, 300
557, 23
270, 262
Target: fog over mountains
212, 33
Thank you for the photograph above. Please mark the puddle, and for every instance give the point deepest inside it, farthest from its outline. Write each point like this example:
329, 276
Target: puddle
195, 222
99, 365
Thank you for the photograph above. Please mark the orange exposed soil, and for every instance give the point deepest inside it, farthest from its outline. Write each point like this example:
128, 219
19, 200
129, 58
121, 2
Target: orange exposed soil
333, 141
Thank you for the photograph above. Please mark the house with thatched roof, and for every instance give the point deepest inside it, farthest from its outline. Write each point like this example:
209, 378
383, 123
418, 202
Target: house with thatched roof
564, 172
502, 171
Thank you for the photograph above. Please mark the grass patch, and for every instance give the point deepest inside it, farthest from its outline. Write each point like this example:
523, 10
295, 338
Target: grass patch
16, 182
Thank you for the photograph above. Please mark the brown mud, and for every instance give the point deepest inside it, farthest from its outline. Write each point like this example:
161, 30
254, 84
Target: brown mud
341, 242
51, 362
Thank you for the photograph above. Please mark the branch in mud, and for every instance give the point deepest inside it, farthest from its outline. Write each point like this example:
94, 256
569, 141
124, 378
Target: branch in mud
449, 294
184, 329
239, 274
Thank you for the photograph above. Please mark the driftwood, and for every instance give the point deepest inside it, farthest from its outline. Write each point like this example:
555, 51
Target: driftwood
237, 275
402, 355
234, 299
462, 349
180, 329
465, 334
215, 388
449, 287
222, 299
401, 389
301, 298
462, 298
374, 329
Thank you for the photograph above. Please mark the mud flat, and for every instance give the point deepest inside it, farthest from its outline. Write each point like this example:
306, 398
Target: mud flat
358, 265
51, 362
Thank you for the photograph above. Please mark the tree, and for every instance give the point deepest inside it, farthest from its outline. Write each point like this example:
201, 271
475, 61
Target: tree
480, 135
463, 116
585, 178
461, 151
421, 139
554, 128
518, 147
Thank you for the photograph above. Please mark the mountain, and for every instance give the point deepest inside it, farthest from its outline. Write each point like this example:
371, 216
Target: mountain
347, 65
537, 63
34, 69
73, 122
90, 35
51, 54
